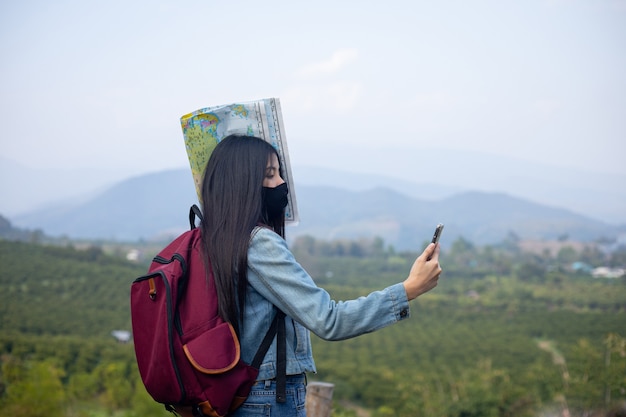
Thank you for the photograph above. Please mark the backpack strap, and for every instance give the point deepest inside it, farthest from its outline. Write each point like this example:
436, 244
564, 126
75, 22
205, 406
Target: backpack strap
194, 211
277, 328
281, 360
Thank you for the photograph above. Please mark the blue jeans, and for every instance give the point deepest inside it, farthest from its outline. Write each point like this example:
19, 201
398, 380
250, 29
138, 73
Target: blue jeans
262, 399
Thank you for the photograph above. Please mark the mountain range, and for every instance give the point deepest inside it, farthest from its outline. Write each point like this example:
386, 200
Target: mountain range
155, 206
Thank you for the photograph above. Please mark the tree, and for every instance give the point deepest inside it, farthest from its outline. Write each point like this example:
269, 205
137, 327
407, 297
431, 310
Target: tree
592, 255
567, 255
615, 367
511, 242
462, 252
531, 272
36, 392
618, 258
118, 389
304, 245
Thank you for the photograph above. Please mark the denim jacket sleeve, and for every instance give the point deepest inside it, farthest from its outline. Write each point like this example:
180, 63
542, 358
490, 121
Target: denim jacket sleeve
275, 274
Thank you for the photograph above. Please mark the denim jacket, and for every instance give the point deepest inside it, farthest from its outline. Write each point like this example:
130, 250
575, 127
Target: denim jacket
276, 279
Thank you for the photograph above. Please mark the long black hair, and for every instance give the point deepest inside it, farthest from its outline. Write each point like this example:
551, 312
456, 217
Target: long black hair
232, 205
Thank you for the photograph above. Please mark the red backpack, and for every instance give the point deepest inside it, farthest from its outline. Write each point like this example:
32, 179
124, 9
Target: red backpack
188, 357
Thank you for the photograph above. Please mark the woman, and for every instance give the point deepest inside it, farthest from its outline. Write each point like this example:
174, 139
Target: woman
244, 198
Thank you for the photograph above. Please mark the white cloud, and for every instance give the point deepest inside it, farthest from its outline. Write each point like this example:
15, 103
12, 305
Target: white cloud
339, 60
341, 96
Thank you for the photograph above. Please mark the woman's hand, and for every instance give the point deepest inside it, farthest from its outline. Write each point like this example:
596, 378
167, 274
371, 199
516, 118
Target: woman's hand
424, 273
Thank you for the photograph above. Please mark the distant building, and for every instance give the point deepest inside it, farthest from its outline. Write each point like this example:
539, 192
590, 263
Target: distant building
606, 272
122, 336
133, 255
582, 267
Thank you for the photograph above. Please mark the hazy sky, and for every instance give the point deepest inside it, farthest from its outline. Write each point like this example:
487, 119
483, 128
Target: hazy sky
103, 84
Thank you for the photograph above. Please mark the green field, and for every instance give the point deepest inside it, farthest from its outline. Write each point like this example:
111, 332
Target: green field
506, 333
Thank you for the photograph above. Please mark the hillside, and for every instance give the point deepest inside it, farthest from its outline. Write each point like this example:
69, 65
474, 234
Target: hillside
155, 206
63, 291
482, 341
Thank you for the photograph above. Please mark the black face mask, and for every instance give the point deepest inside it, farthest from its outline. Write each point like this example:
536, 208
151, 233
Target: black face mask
275, 199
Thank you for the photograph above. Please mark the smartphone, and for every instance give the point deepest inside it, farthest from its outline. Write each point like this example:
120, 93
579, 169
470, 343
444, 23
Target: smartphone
437, 234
